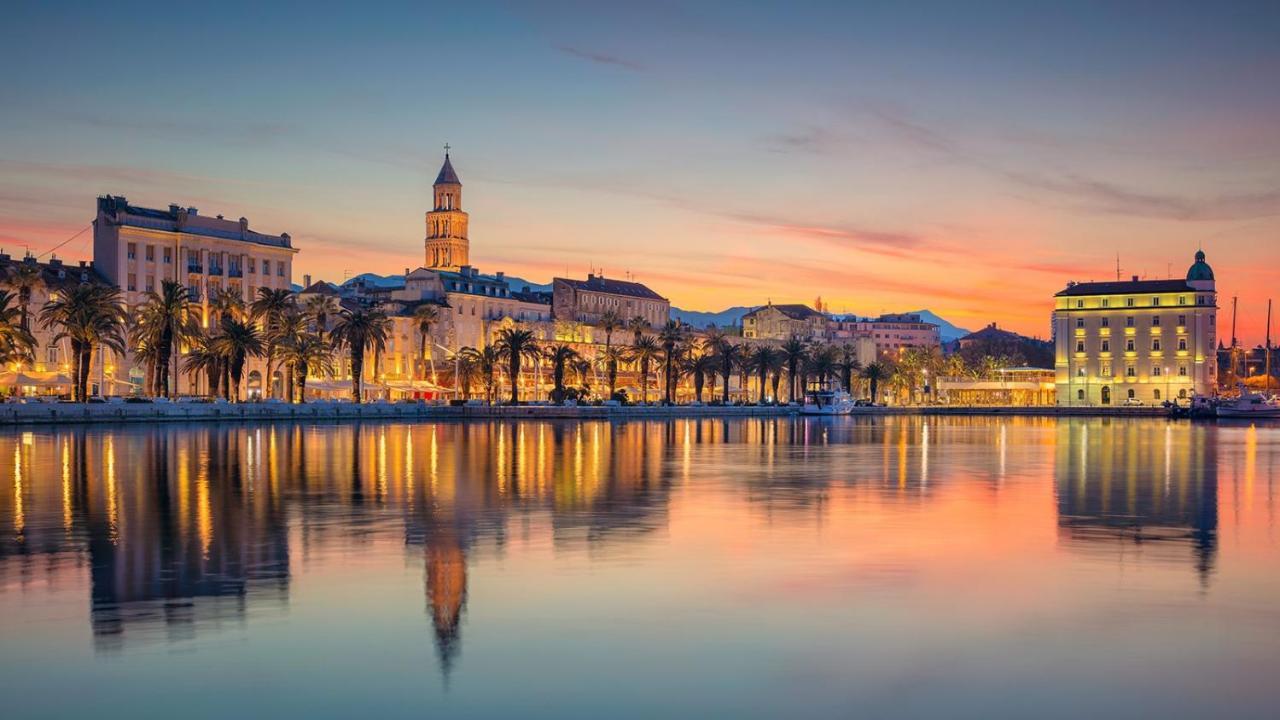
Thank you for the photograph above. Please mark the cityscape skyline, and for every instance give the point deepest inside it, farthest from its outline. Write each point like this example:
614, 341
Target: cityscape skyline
936, 175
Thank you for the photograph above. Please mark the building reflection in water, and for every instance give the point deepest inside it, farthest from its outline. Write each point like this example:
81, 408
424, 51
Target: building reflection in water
1119, 488
189, 527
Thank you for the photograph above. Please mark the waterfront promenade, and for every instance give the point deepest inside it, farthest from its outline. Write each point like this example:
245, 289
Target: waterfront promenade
19, 414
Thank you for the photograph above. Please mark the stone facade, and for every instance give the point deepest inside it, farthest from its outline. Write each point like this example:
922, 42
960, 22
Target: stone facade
585, 301
447, 246
1141, 341
781, 322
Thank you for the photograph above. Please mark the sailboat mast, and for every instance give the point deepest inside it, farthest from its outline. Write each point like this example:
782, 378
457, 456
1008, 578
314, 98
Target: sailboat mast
1267, 364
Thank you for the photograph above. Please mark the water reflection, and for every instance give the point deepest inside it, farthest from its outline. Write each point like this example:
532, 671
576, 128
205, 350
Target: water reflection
1122, 487
175, 531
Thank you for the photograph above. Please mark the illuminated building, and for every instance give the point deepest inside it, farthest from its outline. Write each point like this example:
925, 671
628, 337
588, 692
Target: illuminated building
446, 242
587, 300
782, 322
1140, 341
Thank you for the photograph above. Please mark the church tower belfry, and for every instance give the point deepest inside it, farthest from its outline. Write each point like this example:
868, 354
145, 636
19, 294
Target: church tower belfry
446, 242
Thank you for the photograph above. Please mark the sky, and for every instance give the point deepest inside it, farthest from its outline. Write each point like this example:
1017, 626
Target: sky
969, 158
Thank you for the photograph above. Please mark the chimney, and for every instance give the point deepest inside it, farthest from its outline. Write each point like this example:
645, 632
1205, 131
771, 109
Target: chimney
501, 275
406, 273
1135, 278
244, 227
192, 211
173, 209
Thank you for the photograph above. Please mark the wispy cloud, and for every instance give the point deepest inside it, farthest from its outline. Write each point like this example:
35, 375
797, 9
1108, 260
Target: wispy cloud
245, 133
600, 58
1111, 198
815, 140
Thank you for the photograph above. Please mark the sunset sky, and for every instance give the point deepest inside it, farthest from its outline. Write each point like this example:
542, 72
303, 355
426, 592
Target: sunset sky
970, 158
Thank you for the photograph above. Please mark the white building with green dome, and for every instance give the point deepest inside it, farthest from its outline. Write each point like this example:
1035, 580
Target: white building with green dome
1137, 341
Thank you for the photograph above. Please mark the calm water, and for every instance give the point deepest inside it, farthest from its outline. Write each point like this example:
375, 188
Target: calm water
704, 568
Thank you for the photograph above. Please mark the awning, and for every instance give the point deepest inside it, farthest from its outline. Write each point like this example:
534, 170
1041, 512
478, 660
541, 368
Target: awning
34, 378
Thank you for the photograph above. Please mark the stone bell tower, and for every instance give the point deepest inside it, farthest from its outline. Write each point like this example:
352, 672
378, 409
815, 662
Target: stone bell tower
446, 241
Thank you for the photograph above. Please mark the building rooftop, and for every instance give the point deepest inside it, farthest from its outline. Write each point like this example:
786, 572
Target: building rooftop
599, 283
793, 311
447, 176
1123, 287
117, 209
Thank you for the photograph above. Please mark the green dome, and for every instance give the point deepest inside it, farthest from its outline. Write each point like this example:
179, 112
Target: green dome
1200, 270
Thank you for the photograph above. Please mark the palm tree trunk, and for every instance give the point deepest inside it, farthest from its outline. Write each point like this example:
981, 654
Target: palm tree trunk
515, 378
357, 373
271, 367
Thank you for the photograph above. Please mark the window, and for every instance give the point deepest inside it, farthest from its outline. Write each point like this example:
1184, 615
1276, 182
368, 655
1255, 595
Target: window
151, 253
1128, 345
280, 269
253, 265
1182, 343
1155, 394
1106, 396
1106, 302
1182, 299
1132, 394
266, 267
1079, 346
1128, 302
1079, 322
1155, 372
1079, 303
1106, 370
1130, 372
1155, 344
1182, 371
1182, 321
168, 256
1155, 321
1128, 322
151, 283
51, 354
133, 251
1106, 322
1155, 302
1080, 372
1080, 394
1106, 346
133, 282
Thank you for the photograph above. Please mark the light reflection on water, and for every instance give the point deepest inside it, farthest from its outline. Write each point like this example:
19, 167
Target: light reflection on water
898, 567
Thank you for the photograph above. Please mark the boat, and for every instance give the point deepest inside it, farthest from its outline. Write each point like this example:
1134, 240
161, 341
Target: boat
823, 401
1250, 406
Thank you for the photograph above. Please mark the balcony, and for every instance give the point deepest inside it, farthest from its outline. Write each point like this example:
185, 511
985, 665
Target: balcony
195, 268
235, 272
215, 270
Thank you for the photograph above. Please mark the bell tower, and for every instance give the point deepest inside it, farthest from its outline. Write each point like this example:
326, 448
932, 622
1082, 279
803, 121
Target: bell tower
446, 241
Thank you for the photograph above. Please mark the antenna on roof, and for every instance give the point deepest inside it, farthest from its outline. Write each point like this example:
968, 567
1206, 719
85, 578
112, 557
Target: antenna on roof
1117, 267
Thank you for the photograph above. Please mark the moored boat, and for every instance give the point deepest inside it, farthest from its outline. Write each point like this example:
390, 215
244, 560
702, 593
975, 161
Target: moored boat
827, 402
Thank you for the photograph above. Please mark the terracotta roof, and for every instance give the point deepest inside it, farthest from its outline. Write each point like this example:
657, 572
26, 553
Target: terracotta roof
319, 287
1126, 287
595, 283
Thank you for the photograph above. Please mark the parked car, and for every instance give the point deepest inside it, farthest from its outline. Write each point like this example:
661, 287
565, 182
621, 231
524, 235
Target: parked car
1133, 402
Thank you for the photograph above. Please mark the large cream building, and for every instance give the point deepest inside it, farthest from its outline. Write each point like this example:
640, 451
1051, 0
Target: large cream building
137, 248
1140, 341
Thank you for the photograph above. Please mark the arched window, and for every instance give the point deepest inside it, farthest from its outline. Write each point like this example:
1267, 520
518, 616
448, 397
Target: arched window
1106, 396
1080, 394
1132, 394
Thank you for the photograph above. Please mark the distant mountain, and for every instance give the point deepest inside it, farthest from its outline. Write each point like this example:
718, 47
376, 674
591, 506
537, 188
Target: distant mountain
698, 319
376, 280
946, 330
518, 284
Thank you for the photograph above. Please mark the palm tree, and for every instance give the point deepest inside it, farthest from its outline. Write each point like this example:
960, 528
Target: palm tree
89, 316
321, 309
203, 357
270, 308
848, 366
644, 352
16, 342
237, 342
637, 325
465, 368
612, 357
485, 363
515, 345
762, 360
822, 363
670, 336
306, 354
874, 374
226, 304
701, 365
794, 354
164, 324
609, 321
358, 330
24, 279
292, 325
424, 316
728, 354
560, 355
